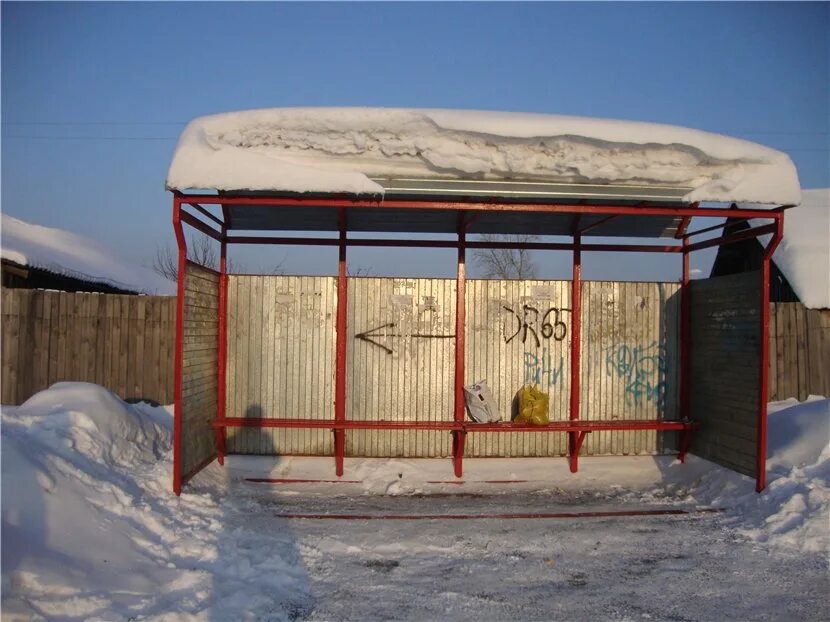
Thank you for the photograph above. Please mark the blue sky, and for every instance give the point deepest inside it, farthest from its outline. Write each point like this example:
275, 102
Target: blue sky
95, 94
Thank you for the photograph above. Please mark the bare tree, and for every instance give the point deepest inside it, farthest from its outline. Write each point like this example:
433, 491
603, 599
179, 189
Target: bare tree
360, 271
199, 250
506, 263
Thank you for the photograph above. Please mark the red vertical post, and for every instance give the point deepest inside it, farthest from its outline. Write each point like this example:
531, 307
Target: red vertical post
685, 334
460, 327
763, 388
685, 348
179, 359
340, 347
222, 350
576, 345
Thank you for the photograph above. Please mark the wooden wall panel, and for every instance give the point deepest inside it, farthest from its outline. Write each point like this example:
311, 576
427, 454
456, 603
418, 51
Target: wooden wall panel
124, 343
724, 369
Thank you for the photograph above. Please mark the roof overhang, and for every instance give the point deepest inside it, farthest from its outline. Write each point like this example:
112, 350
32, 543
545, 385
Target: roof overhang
317, 215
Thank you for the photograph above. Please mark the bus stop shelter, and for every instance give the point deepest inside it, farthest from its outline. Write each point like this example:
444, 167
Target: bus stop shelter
723, 323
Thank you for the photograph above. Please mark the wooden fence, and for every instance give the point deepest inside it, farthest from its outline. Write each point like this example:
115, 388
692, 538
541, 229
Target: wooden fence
125, 343
799, 356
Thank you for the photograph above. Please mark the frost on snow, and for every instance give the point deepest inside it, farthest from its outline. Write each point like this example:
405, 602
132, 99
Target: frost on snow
73, 255
339, 149
91, 529
804, 252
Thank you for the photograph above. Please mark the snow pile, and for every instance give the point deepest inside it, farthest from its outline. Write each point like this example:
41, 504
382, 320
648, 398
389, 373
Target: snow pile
339, 149
91, 530
73, 255
794, 510
804, 252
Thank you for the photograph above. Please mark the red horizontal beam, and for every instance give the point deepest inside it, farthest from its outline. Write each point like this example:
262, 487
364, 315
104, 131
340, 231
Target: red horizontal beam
466, 426
202, 210
512, 516
560, 208
732, 239
384, 242
280, 480
194, 222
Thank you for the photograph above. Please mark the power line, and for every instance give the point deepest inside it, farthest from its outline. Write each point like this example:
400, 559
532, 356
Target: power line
63, 123
94, 122
91, 137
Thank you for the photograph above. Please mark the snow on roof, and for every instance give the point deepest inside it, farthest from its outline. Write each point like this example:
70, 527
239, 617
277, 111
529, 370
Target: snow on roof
73, 255
339, 149
804, 252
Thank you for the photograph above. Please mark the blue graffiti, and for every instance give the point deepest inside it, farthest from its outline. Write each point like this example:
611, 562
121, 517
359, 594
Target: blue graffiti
540, 370
642, 368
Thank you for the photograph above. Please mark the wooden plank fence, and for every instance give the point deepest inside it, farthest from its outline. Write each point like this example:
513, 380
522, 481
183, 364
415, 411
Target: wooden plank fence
799, 361
125, 343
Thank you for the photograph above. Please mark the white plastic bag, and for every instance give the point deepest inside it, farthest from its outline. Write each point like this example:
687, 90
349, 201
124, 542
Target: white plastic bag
481, 405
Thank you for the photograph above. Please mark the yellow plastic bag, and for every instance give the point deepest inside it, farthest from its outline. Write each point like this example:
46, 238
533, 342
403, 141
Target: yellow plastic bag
533, 406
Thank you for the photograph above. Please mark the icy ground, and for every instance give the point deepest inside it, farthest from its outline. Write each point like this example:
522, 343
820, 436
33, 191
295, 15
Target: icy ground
91, 530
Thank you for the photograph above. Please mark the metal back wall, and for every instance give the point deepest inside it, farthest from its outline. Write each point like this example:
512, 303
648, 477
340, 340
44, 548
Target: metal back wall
400, 363
518, 332
280, 360
401, 355
725, 336
200, 341
630, 363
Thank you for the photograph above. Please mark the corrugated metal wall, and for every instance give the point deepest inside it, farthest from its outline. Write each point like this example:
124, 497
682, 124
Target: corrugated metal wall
630, 362
401, 352
518, 332
280, 360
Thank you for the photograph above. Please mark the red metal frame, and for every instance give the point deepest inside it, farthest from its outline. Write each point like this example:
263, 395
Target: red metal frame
761, 451
181, 244
459, 435
222, 352
467, 213
480, 206
575, 439
340, 347
685, 334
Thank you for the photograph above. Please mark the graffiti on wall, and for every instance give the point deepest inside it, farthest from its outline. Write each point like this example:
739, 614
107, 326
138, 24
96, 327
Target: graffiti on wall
540, 369
641, 368
538, 325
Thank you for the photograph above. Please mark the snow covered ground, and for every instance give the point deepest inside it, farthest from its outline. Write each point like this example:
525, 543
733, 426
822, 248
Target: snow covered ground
92, 531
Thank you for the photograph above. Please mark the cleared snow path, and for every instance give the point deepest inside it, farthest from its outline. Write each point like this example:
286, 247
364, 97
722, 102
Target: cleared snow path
664, 568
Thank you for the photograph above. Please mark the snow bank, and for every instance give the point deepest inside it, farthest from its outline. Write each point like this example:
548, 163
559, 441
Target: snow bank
794, 510
91, 530
804, 252
339, 149
75, 256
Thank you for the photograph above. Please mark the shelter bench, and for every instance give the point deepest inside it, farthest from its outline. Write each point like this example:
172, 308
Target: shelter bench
576, 429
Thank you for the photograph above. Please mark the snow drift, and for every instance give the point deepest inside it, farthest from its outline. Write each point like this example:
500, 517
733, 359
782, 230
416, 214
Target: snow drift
91, 530
340, 149
794, 510
73, 255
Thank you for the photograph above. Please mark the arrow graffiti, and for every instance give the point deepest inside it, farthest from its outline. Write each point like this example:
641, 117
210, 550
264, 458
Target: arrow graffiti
374, 334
